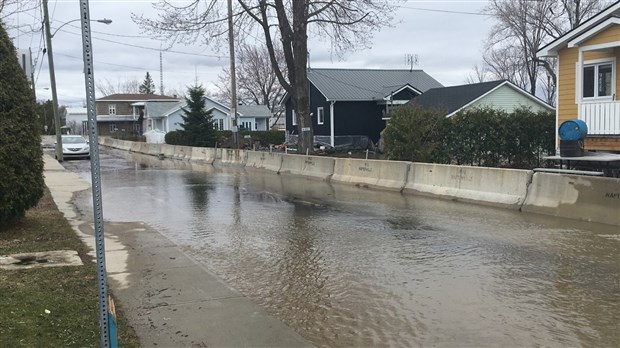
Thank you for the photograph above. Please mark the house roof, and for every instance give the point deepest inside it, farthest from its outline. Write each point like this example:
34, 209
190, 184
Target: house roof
367, 84
159, 108
552, 48
254, 111
135, 97
453, 99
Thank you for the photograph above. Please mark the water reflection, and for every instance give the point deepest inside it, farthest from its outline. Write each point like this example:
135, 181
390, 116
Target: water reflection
351, 267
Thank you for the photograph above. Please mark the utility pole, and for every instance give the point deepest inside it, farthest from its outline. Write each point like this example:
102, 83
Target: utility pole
233, 82
50, 59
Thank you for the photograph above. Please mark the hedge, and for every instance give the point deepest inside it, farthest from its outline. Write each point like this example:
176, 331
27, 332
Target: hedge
479, 137
21, 154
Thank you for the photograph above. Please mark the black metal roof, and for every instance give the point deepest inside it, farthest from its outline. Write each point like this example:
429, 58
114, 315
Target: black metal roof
451, 99
367, 84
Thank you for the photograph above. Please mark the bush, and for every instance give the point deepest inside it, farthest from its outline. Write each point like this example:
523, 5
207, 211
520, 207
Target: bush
414, 134
479, 136
476, 137
175, 137
21, 162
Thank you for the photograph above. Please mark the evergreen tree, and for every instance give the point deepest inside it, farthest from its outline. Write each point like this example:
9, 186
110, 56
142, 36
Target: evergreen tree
147, 86
21, 156
198, 128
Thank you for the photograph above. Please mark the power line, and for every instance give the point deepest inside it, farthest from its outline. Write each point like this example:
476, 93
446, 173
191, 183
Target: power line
152, 48
444, 11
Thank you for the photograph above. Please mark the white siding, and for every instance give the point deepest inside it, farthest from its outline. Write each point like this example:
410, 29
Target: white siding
174, 120
508, 99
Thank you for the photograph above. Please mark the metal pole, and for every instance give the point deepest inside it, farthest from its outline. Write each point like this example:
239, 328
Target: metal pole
50, 59
233, 81
89, 80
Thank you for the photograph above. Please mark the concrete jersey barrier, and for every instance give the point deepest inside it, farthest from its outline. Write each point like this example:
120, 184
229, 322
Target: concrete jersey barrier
490, 186
264, 160
230, 157
312, 166
389, 175
579, 197
203, 154
182, 152
587, 198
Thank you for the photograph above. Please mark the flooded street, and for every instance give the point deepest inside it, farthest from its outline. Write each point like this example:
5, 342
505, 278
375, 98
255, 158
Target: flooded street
349, 267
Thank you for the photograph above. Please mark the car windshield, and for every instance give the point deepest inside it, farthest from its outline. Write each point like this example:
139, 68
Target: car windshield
73, 140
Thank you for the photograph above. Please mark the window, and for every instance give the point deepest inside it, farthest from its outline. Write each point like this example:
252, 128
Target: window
598, 80
112, 109
294, 118
219, 124
113, 127
246, 125
320, 115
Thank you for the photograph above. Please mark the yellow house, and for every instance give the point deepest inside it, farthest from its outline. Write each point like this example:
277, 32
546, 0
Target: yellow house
589, 78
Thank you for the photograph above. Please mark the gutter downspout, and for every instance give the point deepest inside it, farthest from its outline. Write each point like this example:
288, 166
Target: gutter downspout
331, 123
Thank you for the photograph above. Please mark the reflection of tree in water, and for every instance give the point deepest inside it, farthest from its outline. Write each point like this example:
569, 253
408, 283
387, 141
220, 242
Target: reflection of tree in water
198, 188
302, 295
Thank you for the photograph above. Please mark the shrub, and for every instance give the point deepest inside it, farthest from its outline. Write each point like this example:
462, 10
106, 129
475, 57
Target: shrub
479, 136
175, 137
414, 134
21, 163
476, 137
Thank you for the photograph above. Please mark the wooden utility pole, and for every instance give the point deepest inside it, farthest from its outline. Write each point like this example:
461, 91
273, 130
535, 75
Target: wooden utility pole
50, 59
233, 82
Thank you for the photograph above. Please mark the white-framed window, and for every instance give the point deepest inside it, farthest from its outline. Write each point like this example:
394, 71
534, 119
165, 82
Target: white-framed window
113, 127
320, 115
247, 125
598, 79
294, 118
111, 109
219, 124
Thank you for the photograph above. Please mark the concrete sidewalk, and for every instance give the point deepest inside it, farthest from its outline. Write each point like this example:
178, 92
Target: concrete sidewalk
168, 298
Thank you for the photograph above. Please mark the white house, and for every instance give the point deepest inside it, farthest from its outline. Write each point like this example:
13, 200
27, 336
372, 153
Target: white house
167, 116
76, 119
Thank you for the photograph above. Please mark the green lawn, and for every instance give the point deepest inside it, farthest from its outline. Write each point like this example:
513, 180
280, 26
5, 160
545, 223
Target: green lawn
68, 293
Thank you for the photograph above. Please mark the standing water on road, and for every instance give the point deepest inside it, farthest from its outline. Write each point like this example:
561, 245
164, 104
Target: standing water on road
345, 266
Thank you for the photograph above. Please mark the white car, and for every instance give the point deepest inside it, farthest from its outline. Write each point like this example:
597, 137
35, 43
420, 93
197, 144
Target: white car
75, 146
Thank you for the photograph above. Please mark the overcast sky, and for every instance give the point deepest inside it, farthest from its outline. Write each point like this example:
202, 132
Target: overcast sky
447, 37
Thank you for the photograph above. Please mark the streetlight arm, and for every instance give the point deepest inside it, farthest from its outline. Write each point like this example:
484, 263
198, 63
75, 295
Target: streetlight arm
104, 21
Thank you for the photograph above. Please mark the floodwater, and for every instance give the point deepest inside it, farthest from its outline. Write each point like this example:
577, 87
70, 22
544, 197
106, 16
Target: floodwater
349, 267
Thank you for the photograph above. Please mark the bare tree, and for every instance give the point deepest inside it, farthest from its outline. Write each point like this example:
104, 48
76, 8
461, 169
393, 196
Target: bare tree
285, 25
257, 83
107, 87
479, 74
11, 7
522, 28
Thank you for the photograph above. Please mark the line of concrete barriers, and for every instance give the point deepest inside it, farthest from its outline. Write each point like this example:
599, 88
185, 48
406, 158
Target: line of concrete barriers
587, 198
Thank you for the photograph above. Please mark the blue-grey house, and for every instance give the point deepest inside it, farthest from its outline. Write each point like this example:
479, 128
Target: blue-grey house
357, 101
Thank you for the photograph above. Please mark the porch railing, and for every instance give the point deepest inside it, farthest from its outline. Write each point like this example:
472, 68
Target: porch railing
602, 118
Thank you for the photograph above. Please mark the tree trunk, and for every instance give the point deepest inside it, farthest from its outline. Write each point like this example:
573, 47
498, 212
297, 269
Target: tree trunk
300, 76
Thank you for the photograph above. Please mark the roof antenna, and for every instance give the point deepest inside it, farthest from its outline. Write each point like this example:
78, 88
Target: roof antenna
411, 60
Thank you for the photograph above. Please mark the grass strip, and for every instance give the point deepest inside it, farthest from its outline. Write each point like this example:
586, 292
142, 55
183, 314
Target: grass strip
55, 306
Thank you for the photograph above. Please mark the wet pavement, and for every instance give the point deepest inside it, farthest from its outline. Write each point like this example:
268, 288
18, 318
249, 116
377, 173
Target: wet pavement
345, 266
